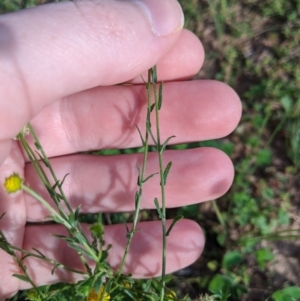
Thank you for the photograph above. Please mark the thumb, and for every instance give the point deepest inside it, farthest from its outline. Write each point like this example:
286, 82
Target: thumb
55, 50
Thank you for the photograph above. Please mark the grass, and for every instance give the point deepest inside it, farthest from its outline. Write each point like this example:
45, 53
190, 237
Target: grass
254, 47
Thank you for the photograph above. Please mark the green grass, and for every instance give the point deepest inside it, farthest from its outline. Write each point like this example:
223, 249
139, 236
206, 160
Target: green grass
254, 47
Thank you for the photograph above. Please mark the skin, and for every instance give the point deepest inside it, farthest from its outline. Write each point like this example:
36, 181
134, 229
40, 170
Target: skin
61, 75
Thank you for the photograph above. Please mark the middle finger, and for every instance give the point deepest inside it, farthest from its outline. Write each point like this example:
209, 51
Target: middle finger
106, 117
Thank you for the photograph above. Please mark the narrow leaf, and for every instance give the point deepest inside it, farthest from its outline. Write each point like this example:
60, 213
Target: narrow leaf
43, 160
152, 137
166, 172
37, 145
21, 277
148, 121
55, 267
71, 218
136, 199
80, 250
77, 211
143, 80
56, 184
141, 137
165, 144
175, 220
152, 107
158, 208
39, 252
149, 177
139, 175
63, 180
154, 74
160, 96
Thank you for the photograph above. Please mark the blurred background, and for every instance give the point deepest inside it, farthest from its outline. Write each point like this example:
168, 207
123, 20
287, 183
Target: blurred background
252, 233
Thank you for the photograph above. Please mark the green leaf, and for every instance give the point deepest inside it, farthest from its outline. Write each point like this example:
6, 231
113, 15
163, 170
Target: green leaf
105, 253
46, 163
63, 180
39, 252
154, 74
149, 177
166, 172
158, 208
174, 221
152, 137
77, 211
165, 144
136, 199
220, 283
97, 229
21, 277
141, 136
160, 96
290, 293
148, 120
232, 259
263, 256
99, 282
152, 107
55, 267
139, 182
287, 103
37, 145
264, 157
79, 249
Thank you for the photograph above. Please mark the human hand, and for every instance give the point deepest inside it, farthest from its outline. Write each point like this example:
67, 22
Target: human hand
60, 64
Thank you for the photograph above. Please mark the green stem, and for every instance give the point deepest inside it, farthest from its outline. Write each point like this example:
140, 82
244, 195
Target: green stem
49, 166
46, 205
54, 262
219, 215
141, 184
63, 217
19, 262
59, 219
163, 197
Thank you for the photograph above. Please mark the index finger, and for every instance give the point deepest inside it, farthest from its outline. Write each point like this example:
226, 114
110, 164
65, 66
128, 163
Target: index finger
55, 50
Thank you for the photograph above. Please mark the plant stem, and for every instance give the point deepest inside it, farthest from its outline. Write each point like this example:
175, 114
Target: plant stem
218, 213
62, 221
140, 182
163, 197
49, 166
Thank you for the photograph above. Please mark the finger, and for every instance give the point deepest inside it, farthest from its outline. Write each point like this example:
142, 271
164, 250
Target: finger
106, 117
184, 245
5, 147
12, 223
183, 61
109, 183
77, 46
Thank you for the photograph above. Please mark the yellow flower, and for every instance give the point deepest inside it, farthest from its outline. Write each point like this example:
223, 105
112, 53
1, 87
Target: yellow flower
93, 296
13, 183
171, 295
32, 295
127, 284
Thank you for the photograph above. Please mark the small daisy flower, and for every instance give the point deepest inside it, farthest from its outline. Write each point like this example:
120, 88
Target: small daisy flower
93, 296
32, 295
13, 183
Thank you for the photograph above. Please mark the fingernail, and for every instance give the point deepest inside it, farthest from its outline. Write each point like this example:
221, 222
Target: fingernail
165, 16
